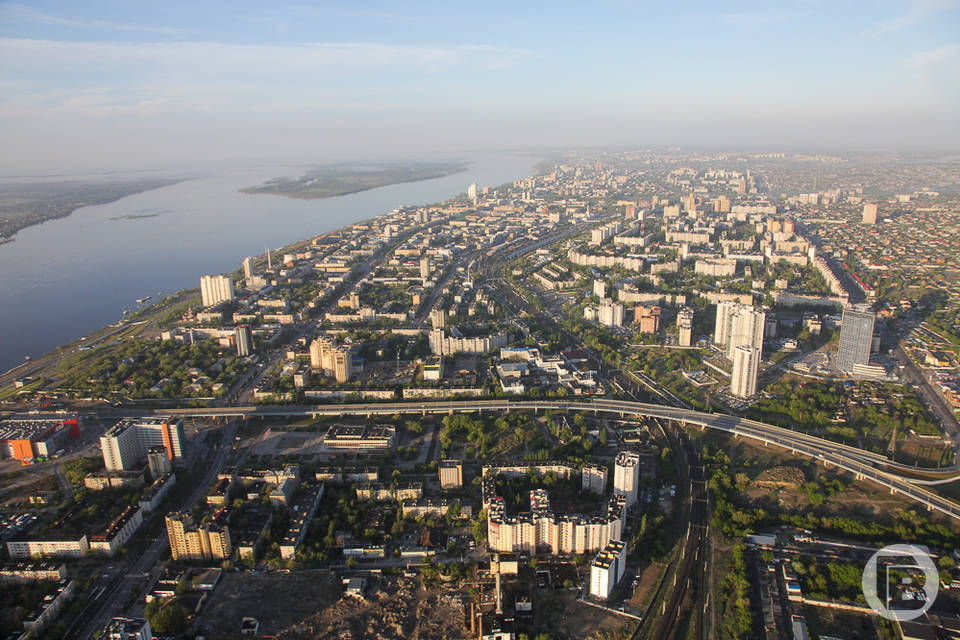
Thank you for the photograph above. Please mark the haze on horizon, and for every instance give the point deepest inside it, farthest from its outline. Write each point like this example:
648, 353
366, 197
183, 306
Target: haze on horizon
113, 85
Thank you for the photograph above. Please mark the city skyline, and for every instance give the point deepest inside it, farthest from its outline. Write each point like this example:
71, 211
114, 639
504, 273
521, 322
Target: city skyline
135, 87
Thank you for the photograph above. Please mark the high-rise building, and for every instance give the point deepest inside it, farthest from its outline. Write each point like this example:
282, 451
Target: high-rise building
607, 569
690, 203
247, 268
738, 324
721, 204
600, 289
158, 462
210, 540
451, 474
685, 326
870, 213
626, 476
610, 314
472, 191
216, 289
126, 443
593, 478
648, 318
128, 629
335, 360
425, 268
438, 319
746, 367
856, 337
244, 340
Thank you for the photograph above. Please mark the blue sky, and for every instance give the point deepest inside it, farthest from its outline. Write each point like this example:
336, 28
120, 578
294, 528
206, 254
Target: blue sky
121, 83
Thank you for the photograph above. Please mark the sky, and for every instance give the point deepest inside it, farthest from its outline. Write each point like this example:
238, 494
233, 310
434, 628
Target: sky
128, 85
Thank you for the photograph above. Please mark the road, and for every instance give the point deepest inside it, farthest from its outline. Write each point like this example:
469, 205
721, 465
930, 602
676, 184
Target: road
864, 465
111, 602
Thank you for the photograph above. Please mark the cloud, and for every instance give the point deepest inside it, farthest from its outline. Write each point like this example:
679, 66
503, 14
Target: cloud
934, 57
14, 13
919, 12
756, 20
107, 79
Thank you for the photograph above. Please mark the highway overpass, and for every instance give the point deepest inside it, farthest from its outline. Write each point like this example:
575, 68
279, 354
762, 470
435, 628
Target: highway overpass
863, 464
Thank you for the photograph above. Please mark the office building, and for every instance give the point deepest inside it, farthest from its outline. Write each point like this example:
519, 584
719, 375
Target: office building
738, 324
127, 443
244, 339
856, 337
626, 476
607, 569
593, 478
216, 289
333, 359
746, 367
360, 437
127, 629
247, 268
685, 327
451, 474
870, 213
209, 540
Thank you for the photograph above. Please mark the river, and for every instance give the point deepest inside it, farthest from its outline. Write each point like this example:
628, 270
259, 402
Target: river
67, 277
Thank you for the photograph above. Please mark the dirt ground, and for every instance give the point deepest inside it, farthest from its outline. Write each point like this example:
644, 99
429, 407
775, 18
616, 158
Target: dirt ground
560, 615
313, 605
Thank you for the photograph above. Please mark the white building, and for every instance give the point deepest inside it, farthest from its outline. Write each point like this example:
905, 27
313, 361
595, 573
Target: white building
738, 324
607, 569
600, 289
593, 478
610, 314
626, 476
685, 327
746, 367
216, 289
126, 443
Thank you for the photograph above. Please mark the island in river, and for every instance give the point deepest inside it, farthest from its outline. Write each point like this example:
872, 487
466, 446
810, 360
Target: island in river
340, 180
23, 204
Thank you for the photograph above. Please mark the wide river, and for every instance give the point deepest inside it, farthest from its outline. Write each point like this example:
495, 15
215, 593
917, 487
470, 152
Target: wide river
67, 277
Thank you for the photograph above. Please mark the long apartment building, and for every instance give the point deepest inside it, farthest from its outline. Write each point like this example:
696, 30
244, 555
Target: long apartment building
541, 529
127, 443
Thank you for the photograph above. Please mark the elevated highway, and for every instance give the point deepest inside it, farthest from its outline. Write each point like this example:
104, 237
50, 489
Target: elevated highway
863, 464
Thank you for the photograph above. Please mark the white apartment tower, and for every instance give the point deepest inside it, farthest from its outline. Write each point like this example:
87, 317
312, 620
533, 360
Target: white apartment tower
738, 324
610, 314
746, 367
626, 476
593, 478
607, 569
600, 289
685, 327
247, 267
215, 289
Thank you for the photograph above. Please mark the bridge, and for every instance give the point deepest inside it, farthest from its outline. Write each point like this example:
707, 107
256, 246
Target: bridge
864, 465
